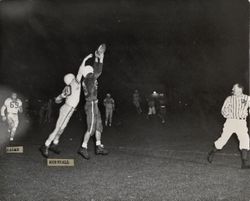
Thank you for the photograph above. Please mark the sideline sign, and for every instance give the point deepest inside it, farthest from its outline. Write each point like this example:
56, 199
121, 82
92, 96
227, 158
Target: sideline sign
14, 150
60, 162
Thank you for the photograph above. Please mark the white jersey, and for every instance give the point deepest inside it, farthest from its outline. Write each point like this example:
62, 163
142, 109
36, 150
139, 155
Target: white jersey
72, 93
12, 106
236, 107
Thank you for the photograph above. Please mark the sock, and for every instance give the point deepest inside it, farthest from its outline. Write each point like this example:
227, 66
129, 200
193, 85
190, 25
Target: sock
84, 145
98, 142
47, 143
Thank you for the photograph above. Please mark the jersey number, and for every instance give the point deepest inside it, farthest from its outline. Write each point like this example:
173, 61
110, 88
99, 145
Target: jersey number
13, 104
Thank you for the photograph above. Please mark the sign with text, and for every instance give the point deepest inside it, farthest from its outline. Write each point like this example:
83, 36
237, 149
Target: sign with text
14, 149
60, 162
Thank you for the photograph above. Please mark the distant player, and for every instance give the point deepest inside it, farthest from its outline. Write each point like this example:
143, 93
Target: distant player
137, 101
9, 112
235, 110
71, 94
93, 116
162, 108
151, 105
109, 104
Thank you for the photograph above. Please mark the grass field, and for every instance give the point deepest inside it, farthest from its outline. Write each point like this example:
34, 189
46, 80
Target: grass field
148, 161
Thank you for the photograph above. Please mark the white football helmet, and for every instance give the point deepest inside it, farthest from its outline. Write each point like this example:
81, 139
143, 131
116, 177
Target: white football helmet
86, 70
68, 78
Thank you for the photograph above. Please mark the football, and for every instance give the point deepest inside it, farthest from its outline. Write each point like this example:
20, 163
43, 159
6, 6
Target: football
101, 49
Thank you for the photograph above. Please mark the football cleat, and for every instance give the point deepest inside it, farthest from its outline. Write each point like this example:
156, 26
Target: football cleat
84, 153
100, 150
44, 151
54, 148
210, 157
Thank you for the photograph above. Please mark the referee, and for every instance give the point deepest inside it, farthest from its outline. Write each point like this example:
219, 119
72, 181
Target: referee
235, 110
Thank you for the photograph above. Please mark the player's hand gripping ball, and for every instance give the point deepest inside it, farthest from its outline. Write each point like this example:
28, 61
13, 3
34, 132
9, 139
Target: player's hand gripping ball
101, 49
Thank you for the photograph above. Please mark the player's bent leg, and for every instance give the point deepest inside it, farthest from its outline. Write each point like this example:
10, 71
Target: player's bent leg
54, 146
13, 129
226, 134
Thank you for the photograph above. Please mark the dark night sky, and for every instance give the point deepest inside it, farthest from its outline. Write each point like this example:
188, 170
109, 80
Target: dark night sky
191, 47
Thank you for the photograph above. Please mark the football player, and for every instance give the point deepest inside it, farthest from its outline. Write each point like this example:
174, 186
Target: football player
94, 121
9, 112
109, 104
71, 94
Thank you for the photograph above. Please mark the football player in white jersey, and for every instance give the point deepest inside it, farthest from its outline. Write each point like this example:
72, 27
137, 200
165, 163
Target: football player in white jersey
9, 112
71, 94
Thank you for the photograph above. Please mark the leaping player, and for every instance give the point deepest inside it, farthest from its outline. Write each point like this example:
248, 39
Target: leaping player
9, 112
94, 121
71, 94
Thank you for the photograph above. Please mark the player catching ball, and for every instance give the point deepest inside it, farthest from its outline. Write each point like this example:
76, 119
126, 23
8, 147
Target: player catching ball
235, 110
94, 121
71, 94
11, 106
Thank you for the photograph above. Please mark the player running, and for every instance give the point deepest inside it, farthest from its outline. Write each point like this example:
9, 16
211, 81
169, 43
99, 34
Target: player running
109, 104
9, 112
235, 110
71, 94
94, 121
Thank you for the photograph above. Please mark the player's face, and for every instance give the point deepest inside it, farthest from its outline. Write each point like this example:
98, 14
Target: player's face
14, 96
236, 90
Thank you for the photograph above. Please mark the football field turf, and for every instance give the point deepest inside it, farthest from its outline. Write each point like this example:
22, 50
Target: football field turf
147, 161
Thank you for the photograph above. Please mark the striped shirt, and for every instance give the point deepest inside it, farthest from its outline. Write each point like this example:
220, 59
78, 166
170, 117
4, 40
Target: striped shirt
236, 107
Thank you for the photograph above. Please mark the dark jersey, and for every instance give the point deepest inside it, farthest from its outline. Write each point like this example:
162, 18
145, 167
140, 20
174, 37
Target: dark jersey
90, 84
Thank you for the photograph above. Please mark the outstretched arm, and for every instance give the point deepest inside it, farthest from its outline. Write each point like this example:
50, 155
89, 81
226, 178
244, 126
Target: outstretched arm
79, 74
99, 56
66, 92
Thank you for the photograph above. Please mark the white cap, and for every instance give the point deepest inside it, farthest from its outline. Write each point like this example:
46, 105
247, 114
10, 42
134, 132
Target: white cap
87, 70
68, 78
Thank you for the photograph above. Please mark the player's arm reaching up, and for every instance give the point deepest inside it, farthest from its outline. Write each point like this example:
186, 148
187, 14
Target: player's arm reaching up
98, 64
81, 69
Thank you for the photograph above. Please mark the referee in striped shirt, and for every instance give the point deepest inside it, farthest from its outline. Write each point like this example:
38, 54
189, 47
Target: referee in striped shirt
235, 110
